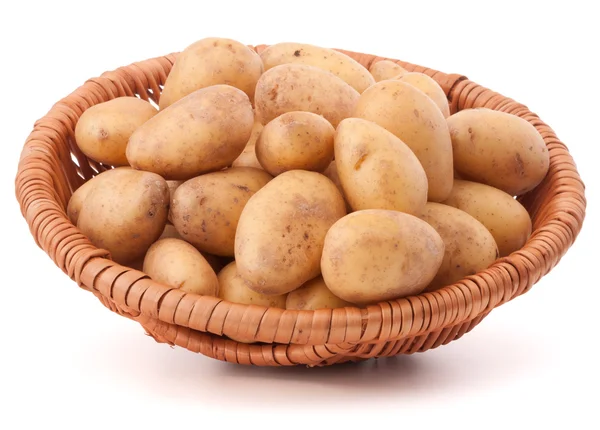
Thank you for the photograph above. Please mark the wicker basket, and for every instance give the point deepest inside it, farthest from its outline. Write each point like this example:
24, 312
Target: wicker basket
51, 167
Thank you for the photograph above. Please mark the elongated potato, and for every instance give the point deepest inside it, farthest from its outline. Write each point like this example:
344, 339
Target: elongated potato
341, 65
414, 118
314, 295
386, 69
212, 61
248, 156
376, 255
280, 234
498, 149
233, 288
377, 170
430, 87
499, 212
178, 264
296, 87
469, 246
203, 132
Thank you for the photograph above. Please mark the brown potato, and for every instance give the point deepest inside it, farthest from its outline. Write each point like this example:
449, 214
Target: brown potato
499, 212
212, 61
103, 130
233, 288
248, 156
430, 87
386, 69
314, 295
296, 87
203, 132
295, 141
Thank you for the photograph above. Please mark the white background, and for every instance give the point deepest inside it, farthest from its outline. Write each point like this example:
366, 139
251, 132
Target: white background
67, 361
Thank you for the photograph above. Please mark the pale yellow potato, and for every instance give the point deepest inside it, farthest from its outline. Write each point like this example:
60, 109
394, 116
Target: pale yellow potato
376, 255
103, 130
125, 212
206, 209
233, 288
377, 170
469, 246
314, 295
341, 65
499, 212
203, 132
498, 149
178, 264
430, 87
280, 234
386, 69
248, 156
212, 61
173, 185
297, 87
332, 173
414, 118
295, 141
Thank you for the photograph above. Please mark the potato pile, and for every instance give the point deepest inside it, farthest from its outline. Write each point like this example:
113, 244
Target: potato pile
299, 179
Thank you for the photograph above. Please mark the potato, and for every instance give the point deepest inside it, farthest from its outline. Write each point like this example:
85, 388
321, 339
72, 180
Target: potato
314, 295
248, 156
280, 233
125, 212
233, 288
103, 130
208, 62
498, 149
332, 173
341, 65
203, 132
499, 212
173, 185
469, 246
178, 264
386, 69
377, 170
295, 141
296, 87
417, 121
430, 87
375, 255
206, 209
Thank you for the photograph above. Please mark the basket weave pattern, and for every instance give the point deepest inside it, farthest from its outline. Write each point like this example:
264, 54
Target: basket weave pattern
51, 167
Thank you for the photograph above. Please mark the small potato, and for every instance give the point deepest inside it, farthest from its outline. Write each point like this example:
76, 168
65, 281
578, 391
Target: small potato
377, 170
341, 65
206, 209
376, 255
498, 149
416, 120
173, 185
469, 246
386, 69
125, 212
248, 156
296, 87
295, 141
332, 173
179, 265
233, 288
500, 213
203, 132
103, 130
280, 234
212, 61
430, 87
314, 295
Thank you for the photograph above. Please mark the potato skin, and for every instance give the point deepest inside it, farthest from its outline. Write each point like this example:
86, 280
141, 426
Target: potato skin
203, 132
295, 141
430, 87
248, 156
178, 264
469, 246
212, 61
206, 209
386, 69
341, 65
103, 130
498, 149
280, 233
505, 218
233, 288
314, 295
297, 87
377, 170
375, 255
414, 118
125, 212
